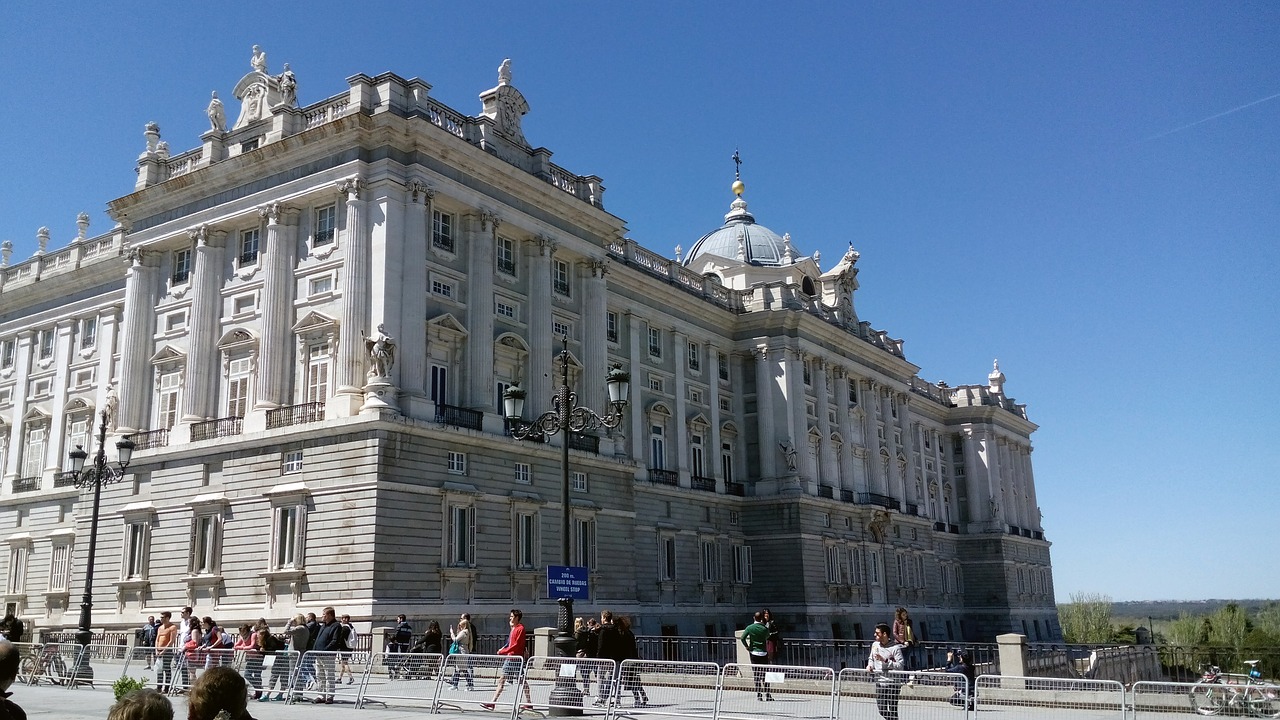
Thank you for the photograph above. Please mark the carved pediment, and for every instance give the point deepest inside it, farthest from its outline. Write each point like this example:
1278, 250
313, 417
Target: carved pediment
35, 416
315, 322
168, 354
238, 339
447, 322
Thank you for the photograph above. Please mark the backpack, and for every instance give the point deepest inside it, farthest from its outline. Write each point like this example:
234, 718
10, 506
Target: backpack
349, 638
271, 643
404, 634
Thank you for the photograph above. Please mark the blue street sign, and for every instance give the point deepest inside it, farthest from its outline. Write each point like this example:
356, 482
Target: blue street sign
567, 582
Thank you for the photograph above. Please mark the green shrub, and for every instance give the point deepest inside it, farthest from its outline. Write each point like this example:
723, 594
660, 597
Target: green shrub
126, 685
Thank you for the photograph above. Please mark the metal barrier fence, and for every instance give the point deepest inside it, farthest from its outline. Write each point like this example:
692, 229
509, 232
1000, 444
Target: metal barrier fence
54, 663
403, 679
862, 694
673, 689
746, 690
1234, 697
471, 681
1094, 699
553, 682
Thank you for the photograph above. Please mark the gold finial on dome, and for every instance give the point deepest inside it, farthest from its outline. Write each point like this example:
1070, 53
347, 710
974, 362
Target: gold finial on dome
738, 188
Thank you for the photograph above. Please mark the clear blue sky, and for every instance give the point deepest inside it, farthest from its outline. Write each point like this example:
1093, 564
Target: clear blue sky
1075, 188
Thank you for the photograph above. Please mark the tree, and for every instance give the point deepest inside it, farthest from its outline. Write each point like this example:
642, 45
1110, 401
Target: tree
1087, 618
1268, 619
1186, 631
1230, 626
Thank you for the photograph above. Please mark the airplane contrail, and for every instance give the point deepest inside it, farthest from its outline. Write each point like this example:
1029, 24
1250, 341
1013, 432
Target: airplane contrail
1211, 117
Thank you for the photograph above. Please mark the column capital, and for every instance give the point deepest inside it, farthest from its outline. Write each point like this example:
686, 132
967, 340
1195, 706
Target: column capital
491, 219
277, 214
546, 245
599, 267
416, 187
351, 188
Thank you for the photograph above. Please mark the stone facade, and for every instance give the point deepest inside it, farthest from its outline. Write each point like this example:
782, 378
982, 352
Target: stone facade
776, 449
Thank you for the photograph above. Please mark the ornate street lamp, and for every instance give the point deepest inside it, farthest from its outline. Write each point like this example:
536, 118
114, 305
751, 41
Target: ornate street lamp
564, 417
99, 474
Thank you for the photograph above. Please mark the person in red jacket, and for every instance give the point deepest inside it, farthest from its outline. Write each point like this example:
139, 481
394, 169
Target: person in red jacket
515, 649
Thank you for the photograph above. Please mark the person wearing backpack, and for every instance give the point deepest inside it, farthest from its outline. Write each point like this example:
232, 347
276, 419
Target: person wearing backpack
348, 633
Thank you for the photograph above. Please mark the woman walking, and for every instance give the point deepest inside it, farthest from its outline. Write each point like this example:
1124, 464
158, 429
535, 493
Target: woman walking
630, 675
462, 643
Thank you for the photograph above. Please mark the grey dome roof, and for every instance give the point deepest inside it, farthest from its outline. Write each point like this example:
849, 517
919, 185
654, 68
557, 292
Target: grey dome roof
760, 245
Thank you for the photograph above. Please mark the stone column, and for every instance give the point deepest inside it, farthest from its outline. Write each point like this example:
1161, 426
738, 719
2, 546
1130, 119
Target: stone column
595, 328
844, 423
1033, 504
679, 354
63, 349
797, 419
640, 428
355, 283
482, 239
279, 258
828, 467
543, 373
771, 464
199, 397
17, 428
387, 239
871, 405
108, 346
411, 355
141, 292
714, 463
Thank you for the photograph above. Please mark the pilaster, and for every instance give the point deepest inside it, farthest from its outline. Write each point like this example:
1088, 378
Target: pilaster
17, 430
766, 428
64, 348
595, 327
679, 353
828, 467
349, 395
542, 346
482, 238
387, 240
278, 289
141, 292
844, 418
411, 356
199, 394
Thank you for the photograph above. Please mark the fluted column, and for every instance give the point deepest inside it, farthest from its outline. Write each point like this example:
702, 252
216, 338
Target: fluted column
766, 431
1033, 504
278, 288
797, 424
543, 375
844, 423
482, 240
141, 292
640, 433
595, 327
714, 463
63, 349
412, 353
679, 353
17, 430
199, 395
354, 329
871, 404
829, 468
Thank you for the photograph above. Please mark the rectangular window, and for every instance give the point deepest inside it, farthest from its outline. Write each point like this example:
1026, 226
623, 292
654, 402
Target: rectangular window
560, 328
696, 456
18, 555
462, 536
611, 327
60, 567
833, 565
723, 361
174, 322
667, 558
506, 256
742, 564
442, 230
458, 463
43, 388
807, 372
726, 460
320, 286
46, 344
439, 384
873, 568
526, 541
326, 221
288, 538
710, 561
442, 288
657, 448
578, 481
504, 309
584, 543
292, 462
249, 248
695, 357
205, 538
84, 378
695, 396
88, 333
181, 266
238, 387
855, 566
726, 405
318, 373
523, 473
167, 402
243, 305
8, 354
78, 434
560, 277
134, 566
655, 383
33, 453
655, 342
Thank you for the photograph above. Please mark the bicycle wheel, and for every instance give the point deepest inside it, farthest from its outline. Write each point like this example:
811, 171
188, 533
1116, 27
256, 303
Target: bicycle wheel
1208, 698
1264, 701
27, 673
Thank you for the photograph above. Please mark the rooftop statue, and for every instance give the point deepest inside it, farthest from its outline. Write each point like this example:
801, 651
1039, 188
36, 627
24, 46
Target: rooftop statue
288, 87
217, 114
259, 59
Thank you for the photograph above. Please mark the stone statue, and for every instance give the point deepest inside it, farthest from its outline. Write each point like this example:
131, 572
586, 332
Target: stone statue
382, 353
253, 102
504, 72
288, 87
217, 114
788, 450
878, 523
110, 404
259, 60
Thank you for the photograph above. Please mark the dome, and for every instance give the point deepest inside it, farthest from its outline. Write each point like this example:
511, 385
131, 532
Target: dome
759, 244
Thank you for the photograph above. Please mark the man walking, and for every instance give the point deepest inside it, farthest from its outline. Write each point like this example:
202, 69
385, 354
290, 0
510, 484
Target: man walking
755, 639
329, 639
515, 650
166, 638
885, 657
608, 647
147, 640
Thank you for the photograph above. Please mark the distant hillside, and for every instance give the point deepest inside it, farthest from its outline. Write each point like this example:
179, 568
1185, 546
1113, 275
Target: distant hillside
1171, 609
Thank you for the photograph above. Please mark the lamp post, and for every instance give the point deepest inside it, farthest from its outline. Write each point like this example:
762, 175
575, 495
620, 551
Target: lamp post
99, 474
564, 417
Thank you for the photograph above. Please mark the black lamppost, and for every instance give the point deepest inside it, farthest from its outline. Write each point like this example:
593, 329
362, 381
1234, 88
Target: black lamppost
99, 474
564, 417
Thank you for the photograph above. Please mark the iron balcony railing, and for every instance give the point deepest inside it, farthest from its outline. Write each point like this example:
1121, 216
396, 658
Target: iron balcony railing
295, 415
883, 501
848, 496
705, 484
826, 491
913, 509
150, 439
658, 476
220, 428
459, 416
64, 479
26, 484
735, 488
584, 442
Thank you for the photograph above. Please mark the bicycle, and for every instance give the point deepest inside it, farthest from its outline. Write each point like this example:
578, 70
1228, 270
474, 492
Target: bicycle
1216, 692
48, 664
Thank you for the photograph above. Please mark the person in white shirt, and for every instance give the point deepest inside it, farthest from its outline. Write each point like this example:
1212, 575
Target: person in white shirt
885, 657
